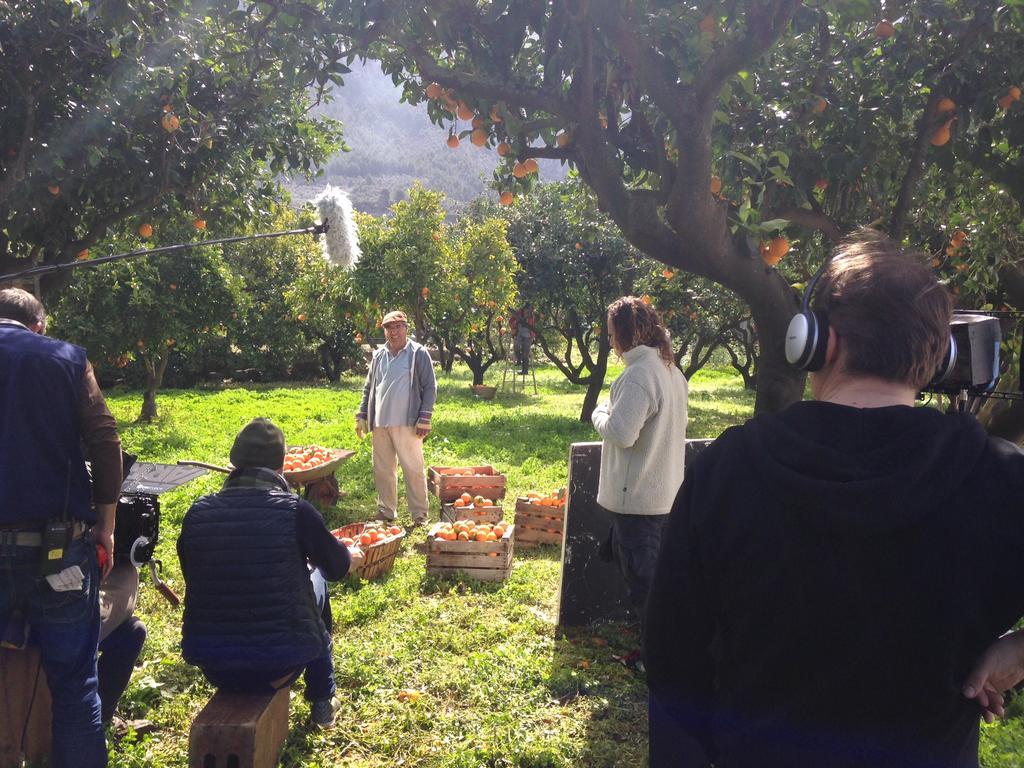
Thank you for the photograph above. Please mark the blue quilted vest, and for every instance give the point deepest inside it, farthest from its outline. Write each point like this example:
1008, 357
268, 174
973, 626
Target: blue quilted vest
42, 467
249, 603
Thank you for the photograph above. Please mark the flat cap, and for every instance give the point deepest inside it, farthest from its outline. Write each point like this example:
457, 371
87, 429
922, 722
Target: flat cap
396, 316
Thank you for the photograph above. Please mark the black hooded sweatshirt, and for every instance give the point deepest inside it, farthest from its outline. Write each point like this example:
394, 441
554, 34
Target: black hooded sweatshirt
828, 576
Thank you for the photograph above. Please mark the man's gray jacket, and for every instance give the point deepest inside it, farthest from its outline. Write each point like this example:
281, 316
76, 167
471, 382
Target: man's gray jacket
422, 390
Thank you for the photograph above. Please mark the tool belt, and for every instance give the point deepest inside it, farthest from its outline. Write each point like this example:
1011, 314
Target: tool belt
30, 534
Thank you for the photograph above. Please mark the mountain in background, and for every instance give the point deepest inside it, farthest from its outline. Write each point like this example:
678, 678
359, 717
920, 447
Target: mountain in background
393, 145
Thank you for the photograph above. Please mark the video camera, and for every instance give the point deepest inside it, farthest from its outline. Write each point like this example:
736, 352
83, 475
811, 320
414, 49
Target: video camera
974, 367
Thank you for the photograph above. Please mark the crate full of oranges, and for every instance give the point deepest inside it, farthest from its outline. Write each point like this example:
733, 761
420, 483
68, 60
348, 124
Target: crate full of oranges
449, 483
480, 551
477, 508
378, 541
540, 518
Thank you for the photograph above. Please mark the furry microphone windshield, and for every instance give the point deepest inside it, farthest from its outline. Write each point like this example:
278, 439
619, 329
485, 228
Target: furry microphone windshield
340, 242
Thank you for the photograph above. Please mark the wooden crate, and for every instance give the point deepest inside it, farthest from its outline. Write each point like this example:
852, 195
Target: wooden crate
475, 513
379, 556
536, 524
246, 730
484, 481
481, 560
27, 707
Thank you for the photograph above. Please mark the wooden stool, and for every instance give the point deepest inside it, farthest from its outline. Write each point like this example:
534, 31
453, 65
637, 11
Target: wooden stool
239, 731
25, 707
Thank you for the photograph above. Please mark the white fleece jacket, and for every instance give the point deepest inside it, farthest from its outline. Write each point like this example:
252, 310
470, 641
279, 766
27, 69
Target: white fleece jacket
644, 433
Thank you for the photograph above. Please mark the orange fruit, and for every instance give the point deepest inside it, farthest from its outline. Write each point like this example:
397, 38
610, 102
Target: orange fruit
466, 498
434, 91
82, 254
504, 149
146, 230
777, 248
170, 122
505, 198
482, 536
1004, 102
453, 141
884, 29
365, 540
945, 105
199, 223
821, 184
958, 238
531, 165
478, 137
519, 170
942, 134
668, 274
819, 106
478, 122
53, 189
459, 503
464, 112
708, 25
563, 138
495, 117
716, 185
347, 541
463, 536
1013, 92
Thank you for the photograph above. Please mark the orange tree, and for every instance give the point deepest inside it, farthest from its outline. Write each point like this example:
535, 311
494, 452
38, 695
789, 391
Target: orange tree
108, 108
706, 129
145, 309
574, 262
479, 290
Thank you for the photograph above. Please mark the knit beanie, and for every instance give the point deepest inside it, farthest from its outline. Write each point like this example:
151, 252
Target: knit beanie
259, 444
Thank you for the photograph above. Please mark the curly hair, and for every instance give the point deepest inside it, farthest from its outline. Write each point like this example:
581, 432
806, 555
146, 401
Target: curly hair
633, 323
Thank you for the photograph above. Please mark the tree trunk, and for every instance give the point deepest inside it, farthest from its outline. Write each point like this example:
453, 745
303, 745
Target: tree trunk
597, 375
154, 378
478, 374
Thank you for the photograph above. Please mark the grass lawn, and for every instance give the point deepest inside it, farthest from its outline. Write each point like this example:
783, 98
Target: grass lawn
500, 687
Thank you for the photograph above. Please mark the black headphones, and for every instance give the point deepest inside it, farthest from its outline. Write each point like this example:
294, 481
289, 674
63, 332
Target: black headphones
807, 336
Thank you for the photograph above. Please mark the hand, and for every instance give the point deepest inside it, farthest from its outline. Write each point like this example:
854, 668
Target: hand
105, 539
422, 429
1000, 668
357, 557
362, 428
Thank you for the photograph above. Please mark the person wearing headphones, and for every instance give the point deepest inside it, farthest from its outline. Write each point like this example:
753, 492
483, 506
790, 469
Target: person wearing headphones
829, 574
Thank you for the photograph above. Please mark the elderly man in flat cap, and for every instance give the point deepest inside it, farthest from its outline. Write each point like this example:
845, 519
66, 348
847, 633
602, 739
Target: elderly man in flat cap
398, 400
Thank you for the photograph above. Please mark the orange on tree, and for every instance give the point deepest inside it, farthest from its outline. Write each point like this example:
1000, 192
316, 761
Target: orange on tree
146, 230
945, 105
942, 134
505, 198
708, 25
478, 121
1005, 102
199, 223
531, 165
884, 29
170, 122
478, 137
716, 185
819, 106
1013, 92
453, 141
464, 112
563, 138
504, 149
519, 170
53, 189
434, 91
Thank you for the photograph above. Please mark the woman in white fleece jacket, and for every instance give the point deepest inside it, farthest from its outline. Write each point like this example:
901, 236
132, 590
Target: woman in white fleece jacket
644, 431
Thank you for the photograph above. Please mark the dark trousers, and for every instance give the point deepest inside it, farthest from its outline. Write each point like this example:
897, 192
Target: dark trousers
319, 673
66, 627
522, 349
118, 653
636, 540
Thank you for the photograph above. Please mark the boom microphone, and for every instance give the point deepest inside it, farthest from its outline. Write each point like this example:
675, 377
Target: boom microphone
337, 224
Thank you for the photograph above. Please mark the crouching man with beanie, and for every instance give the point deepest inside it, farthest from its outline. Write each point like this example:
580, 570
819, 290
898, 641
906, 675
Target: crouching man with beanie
256, 559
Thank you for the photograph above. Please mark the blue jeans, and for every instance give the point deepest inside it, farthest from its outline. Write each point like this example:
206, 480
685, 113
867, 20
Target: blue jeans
118, 653
636, 540
319, 673
66, 627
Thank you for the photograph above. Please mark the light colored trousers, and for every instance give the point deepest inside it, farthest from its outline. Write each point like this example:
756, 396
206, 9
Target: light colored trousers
393, 446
